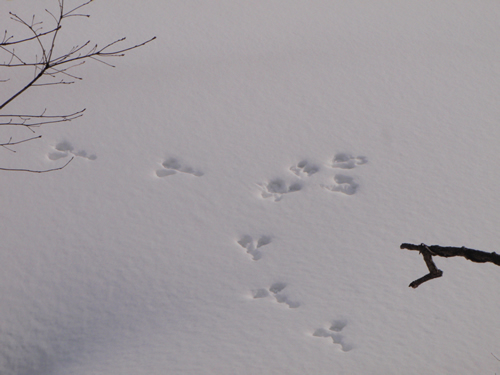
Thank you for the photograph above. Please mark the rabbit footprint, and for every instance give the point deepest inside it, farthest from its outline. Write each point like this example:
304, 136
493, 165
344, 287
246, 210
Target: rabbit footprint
64, 149
171, 166
252, 247
304, 168
277, 188
334, 333
346, 161
343, 184
276, 291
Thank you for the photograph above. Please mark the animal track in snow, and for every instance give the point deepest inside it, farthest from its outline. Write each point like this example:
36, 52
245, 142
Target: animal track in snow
171, 166
277, 188
276, 290
252, 246
343, 184
346, 161
334, 332
304, 168
64, 149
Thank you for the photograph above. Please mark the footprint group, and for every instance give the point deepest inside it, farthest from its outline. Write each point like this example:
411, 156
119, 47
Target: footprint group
334, 332
252, 246
277, 291
173, 166
341, 183
275, 189
304, 168
64, 149
344, 183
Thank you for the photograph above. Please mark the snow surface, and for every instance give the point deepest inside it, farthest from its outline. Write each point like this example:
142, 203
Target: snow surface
241, 187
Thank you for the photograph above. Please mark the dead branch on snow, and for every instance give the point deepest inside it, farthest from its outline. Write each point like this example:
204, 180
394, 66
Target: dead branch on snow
429, 251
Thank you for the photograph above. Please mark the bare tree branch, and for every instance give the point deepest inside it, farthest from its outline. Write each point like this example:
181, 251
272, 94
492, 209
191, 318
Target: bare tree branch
37, 77
5, 41
10, 143
36, 171
49, 69
67, 14
429, 251
46, 65
35, 121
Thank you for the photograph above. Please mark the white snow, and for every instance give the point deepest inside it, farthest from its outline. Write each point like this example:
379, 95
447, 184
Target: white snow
241, 187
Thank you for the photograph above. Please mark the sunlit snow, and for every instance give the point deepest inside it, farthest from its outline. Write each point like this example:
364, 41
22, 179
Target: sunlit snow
240, 188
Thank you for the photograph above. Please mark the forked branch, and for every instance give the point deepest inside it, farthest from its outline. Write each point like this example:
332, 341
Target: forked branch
49, 68
429, 251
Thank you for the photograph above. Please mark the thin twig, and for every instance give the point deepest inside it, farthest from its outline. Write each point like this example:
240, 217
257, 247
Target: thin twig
4, 145
43, 115
25, 120
6, 43
36, 171
78, 7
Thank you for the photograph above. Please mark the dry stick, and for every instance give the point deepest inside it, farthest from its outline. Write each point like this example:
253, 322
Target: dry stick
434, 272
429, 251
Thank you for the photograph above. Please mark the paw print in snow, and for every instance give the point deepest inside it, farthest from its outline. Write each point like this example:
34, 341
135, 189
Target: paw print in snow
171, 166
343, 184
346, 161
252, 247
64, 149
277, 188
276, 290
334, 333
304, 168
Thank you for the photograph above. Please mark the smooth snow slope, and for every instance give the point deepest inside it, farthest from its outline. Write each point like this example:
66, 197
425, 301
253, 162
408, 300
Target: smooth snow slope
241, 188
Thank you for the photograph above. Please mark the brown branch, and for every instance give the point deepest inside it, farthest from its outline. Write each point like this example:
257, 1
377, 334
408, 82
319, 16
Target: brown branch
429, 251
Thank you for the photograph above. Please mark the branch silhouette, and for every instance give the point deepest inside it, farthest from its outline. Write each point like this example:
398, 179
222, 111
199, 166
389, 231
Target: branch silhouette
429, 251
48, 67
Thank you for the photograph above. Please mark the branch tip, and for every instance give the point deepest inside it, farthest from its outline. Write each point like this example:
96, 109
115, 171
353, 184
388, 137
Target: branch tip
434, 250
